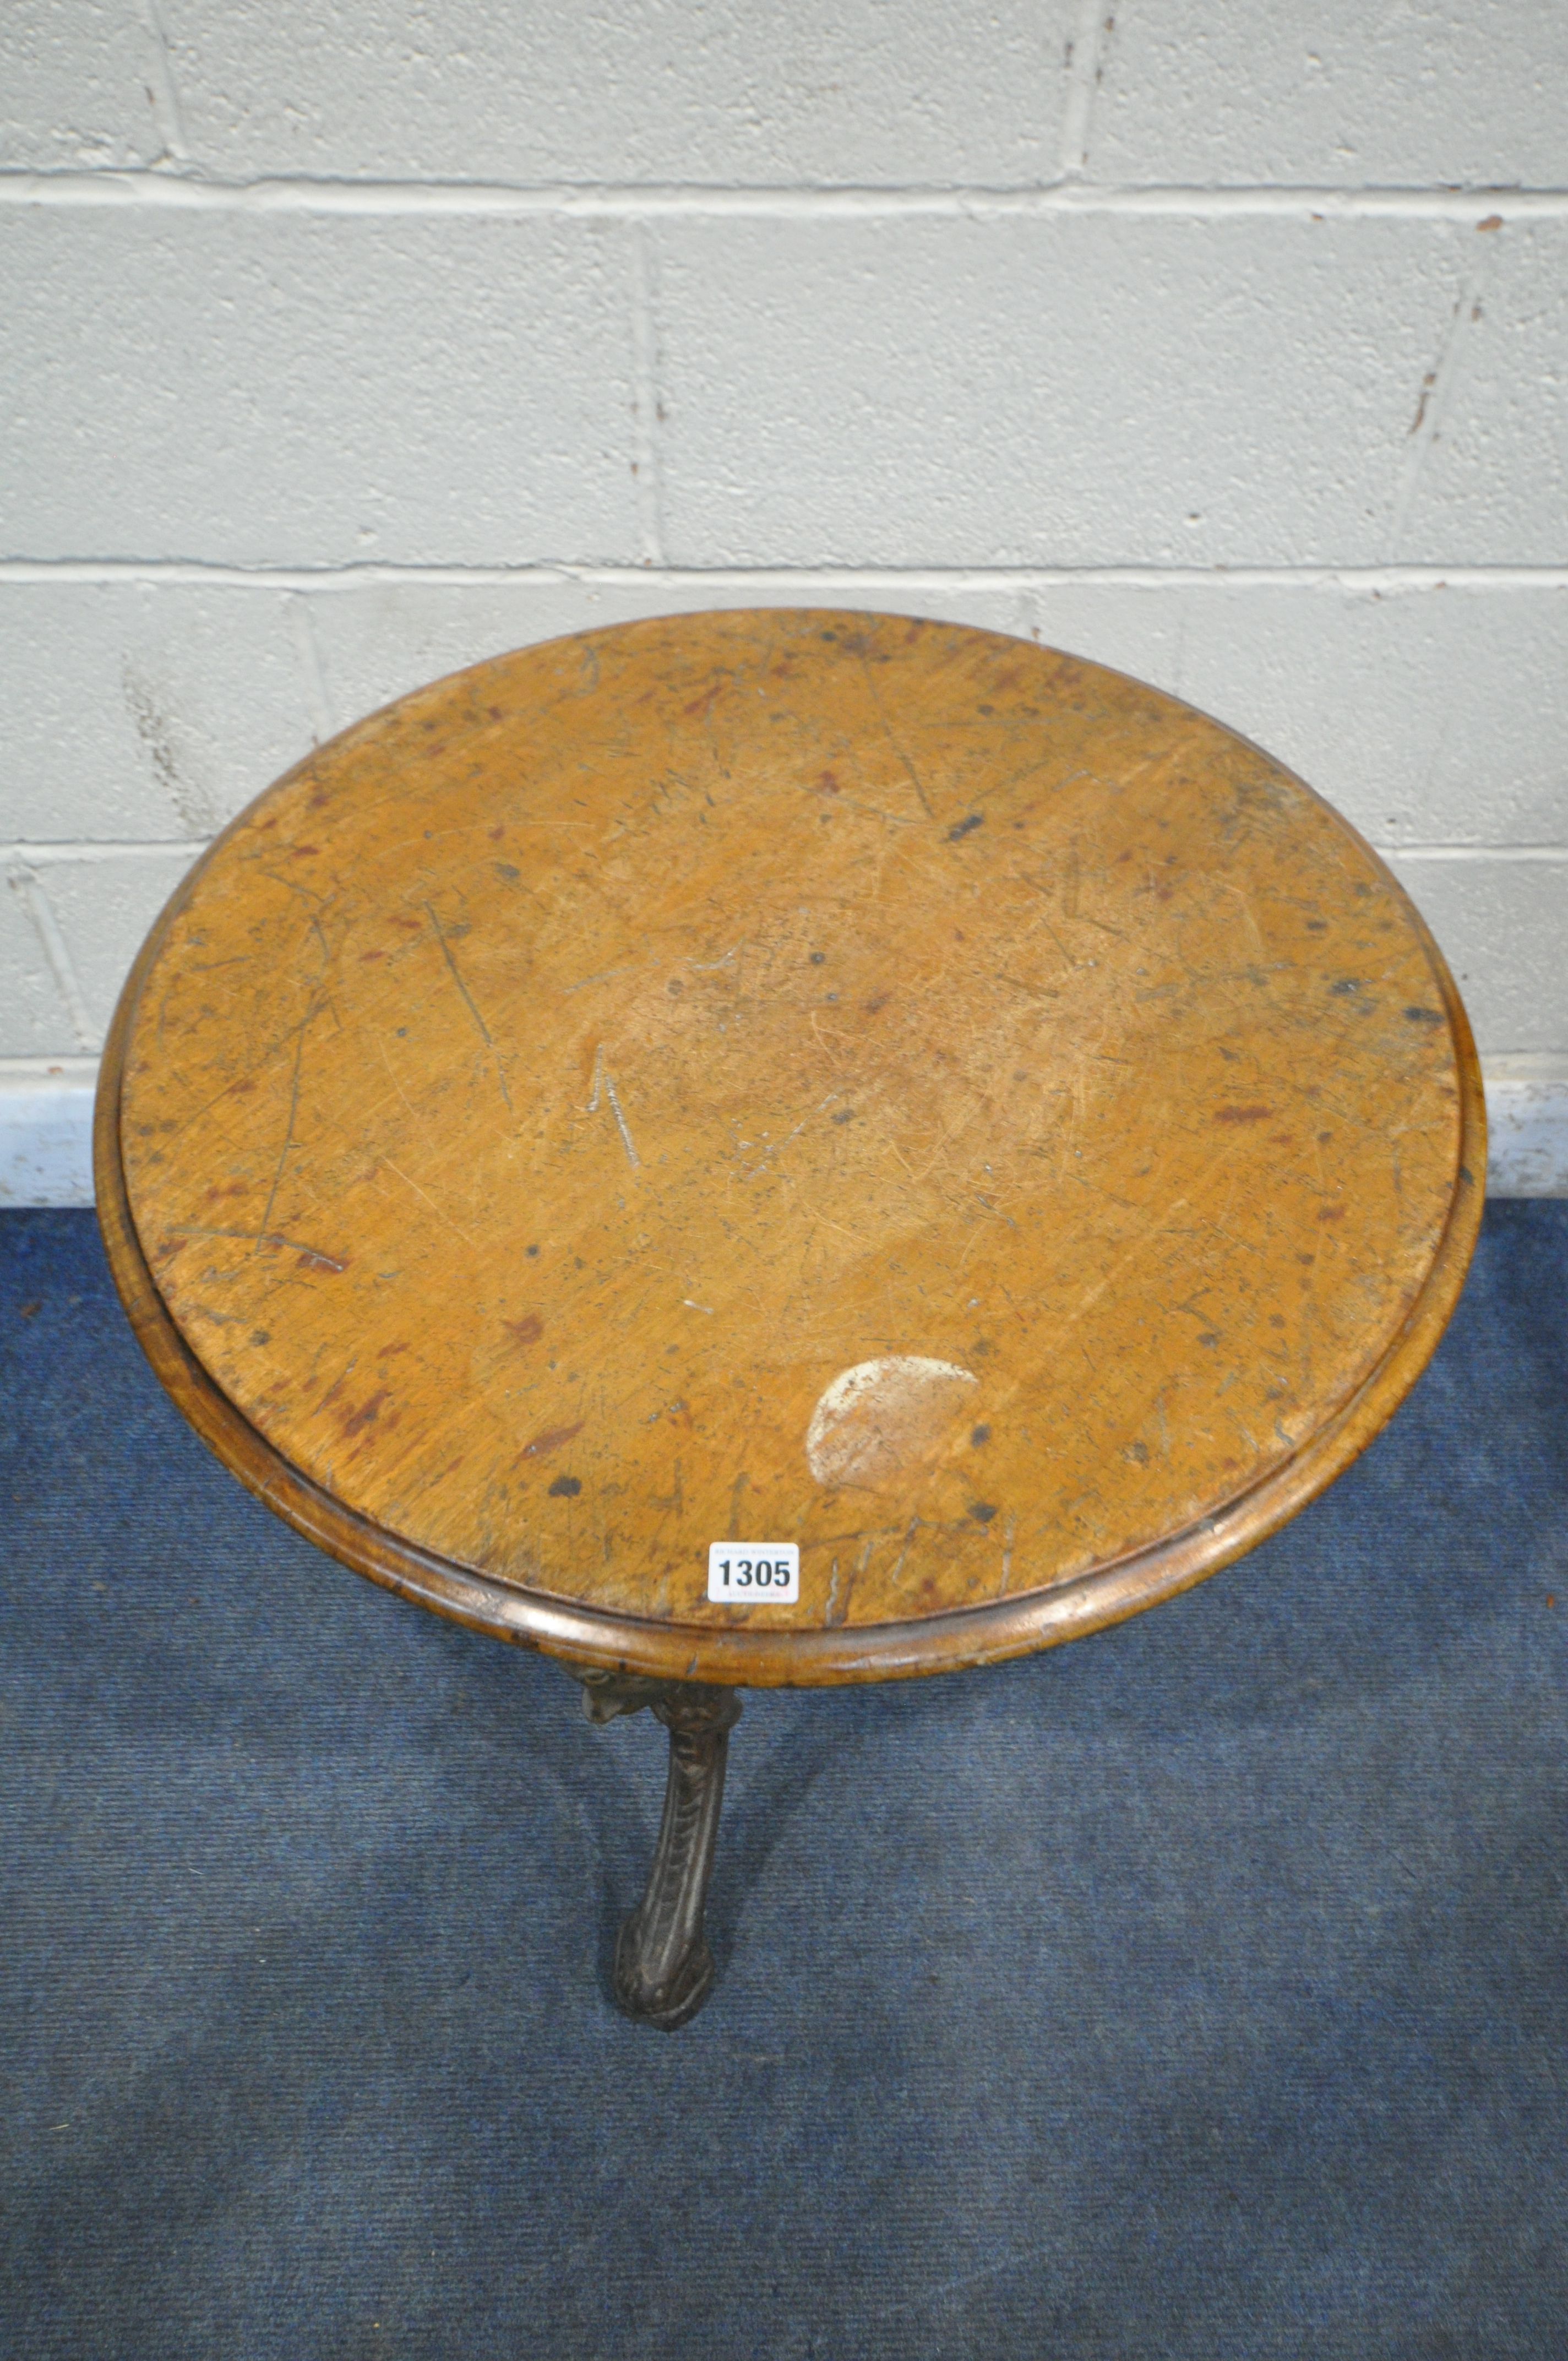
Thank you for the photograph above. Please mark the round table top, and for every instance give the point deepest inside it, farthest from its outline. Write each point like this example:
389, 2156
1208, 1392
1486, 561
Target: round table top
790, 1077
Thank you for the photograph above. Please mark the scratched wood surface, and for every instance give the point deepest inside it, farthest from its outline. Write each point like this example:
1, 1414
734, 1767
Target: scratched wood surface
795, 1077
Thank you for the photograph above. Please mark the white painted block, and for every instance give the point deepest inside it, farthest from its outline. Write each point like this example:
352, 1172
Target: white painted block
1059, 390
46, 1132
1136, 628
1437, 712
77, 86
1502, 925
650, 90
105, 909
1444, 93
156, 710
306, 392
149, 709
1431, 716
35, 1020
381, 639
1494, 481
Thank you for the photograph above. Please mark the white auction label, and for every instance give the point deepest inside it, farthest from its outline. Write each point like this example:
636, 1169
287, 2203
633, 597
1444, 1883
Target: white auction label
753, 1574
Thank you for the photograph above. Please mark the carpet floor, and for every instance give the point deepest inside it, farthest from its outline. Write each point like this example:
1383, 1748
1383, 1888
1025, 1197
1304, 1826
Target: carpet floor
1197, 1991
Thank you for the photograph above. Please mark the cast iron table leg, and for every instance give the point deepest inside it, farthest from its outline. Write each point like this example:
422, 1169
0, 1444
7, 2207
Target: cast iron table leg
664, 1969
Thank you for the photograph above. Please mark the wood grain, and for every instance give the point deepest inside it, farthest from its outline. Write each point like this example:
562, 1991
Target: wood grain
790, 1077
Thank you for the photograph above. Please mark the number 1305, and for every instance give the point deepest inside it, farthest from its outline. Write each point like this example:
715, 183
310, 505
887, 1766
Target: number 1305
742, 1574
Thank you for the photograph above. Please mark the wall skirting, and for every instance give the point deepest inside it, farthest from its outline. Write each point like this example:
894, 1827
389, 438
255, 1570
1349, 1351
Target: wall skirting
46, 1129
1527, 1112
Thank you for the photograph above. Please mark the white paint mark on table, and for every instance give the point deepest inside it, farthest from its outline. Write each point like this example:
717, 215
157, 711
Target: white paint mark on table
878, 1418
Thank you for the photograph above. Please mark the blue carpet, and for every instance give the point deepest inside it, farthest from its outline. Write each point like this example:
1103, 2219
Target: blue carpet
1195, 1991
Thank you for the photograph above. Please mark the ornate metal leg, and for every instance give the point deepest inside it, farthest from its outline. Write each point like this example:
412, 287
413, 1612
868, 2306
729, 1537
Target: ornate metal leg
664, 1969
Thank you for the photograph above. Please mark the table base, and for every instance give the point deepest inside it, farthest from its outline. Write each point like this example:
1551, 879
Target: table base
664, 1969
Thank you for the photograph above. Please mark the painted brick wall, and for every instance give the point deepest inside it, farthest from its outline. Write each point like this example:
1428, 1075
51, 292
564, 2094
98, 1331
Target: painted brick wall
348, 344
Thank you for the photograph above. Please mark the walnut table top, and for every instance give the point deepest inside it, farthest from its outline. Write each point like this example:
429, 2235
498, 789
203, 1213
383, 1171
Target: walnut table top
790, 1077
